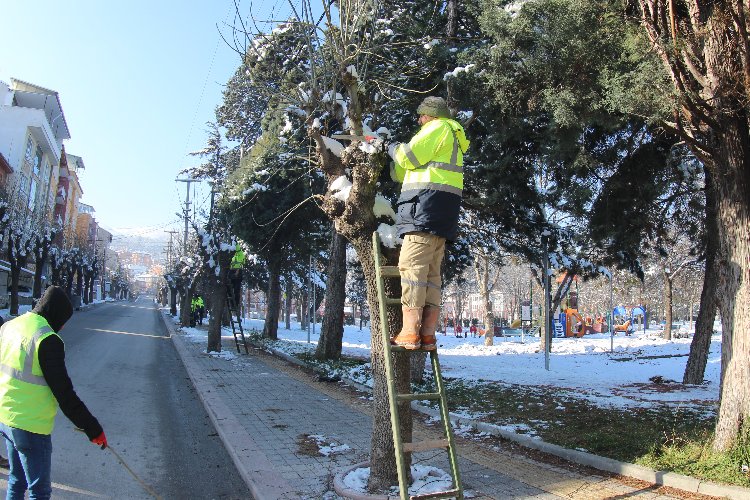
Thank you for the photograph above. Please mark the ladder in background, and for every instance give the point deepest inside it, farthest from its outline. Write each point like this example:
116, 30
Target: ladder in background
235, 318
448, 442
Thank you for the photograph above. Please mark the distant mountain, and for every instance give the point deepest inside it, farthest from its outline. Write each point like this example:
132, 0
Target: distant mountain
141, 240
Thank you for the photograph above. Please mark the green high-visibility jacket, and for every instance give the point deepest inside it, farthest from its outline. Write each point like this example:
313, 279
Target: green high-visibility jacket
430, 166
238, 260
26, 401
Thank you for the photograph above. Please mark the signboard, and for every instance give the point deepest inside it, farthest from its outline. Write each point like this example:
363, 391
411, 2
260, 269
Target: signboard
525, 313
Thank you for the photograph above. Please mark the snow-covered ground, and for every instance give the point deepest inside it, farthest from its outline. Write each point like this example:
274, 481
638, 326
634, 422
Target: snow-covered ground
622, 377
609, 372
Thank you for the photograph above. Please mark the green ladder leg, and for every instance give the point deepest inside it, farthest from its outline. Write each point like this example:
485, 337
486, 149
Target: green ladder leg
401, 448
239, 336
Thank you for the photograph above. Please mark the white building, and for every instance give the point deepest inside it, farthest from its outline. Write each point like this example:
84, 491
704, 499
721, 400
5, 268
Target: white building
32, 131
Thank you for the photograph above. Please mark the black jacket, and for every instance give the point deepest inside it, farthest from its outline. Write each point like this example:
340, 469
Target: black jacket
428, 211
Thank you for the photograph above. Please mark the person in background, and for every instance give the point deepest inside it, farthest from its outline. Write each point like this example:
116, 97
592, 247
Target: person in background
33, 382
473, 330
201, 310
235, 273
430, 168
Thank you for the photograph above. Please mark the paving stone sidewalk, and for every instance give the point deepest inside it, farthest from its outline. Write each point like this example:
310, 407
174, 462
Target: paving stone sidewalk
275, 417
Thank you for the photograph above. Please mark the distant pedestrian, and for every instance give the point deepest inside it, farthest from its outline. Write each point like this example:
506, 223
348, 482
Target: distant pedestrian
473, 330
33, 382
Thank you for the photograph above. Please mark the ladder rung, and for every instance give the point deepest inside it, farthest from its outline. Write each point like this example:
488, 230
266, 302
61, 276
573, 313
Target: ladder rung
389, 272
391, 301
430, 444
436, 494
418, 396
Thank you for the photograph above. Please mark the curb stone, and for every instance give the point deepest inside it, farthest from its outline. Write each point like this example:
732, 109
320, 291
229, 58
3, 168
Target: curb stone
661, 478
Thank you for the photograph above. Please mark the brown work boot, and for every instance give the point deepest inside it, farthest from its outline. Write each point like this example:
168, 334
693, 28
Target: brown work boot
408, 337
430, 317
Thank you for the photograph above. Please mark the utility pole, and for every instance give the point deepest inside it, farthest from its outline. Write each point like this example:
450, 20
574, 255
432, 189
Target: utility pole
169, 248
186, 210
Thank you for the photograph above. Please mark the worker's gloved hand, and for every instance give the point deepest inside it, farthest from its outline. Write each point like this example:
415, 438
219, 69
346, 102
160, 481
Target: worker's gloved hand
392, 150
100, 440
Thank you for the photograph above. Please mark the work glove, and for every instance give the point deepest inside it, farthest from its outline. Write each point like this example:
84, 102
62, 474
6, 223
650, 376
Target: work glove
100, 440
392, 150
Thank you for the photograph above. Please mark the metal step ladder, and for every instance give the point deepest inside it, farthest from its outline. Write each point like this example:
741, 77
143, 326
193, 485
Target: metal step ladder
448, 442
235, 319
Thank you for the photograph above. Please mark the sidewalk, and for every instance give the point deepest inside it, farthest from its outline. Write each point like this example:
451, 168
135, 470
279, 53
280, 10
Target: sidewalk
278, 422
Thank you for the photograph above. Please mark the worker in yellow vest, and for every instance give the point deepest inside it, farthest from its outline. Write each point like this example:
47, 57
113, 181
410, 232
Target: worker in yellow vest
33, 382
430, 166
235, 273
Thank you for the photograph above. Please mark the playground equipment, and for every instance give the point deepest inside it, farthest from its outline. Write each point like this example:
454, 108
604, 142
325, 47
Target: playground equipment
628, 317
574, 324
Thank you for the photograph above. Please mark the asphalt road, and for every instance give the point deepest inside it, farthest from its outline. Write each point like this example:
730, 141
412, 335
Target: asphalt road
126, 370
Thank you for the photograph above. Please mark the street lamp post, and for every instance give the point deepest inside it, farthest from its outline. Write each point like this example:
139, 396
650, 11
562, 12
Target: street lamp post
547, 318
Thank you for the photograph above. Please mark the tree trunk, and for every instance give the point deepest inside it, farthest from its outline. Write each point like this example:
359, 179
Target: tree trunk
733, 291
185, 298
79, 281
417, 366
172, 301
218, 286
86, 283
39, 261
271, 325
15, 275
332, 329
288, 303
667, 306
704, 324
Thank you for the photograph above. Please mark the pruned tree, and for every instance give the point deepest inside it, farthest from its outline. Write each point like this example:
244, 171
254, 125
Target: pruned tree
704, 48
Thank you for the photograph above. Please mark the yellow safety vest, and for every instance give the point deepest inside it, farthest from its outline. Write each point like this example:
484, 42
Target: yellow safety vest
238, 260
430, 167
433, 159
26, 401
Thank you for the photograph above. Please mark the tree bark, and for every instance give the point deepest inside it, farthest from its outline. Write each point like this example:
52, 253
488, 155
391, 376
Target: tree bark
39, 261
271, 325
86, 283
332, 329
79, 281
733, 290
218, 301
712, 117
172, 301
668, 295
288, 303
704, 324
15, 275
418, 363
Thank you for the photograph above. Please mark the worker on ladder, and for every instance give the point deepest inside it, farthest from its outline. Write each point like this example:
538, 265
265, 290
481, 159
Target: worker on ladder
235, 273
430, 167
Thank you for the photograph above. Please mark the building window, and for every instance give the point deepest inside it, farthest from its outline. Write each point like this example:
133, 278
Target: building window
37, 161
32, 194
29, 156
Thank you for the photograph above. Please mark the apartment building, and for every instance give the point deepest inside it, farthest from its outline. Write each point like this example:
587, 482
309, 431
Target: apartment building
38, 177
32, 131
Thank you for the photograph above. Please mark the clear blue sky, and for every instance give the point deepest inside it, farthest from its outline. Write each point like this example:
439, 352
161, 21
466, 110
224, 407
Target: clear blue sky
137, 80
